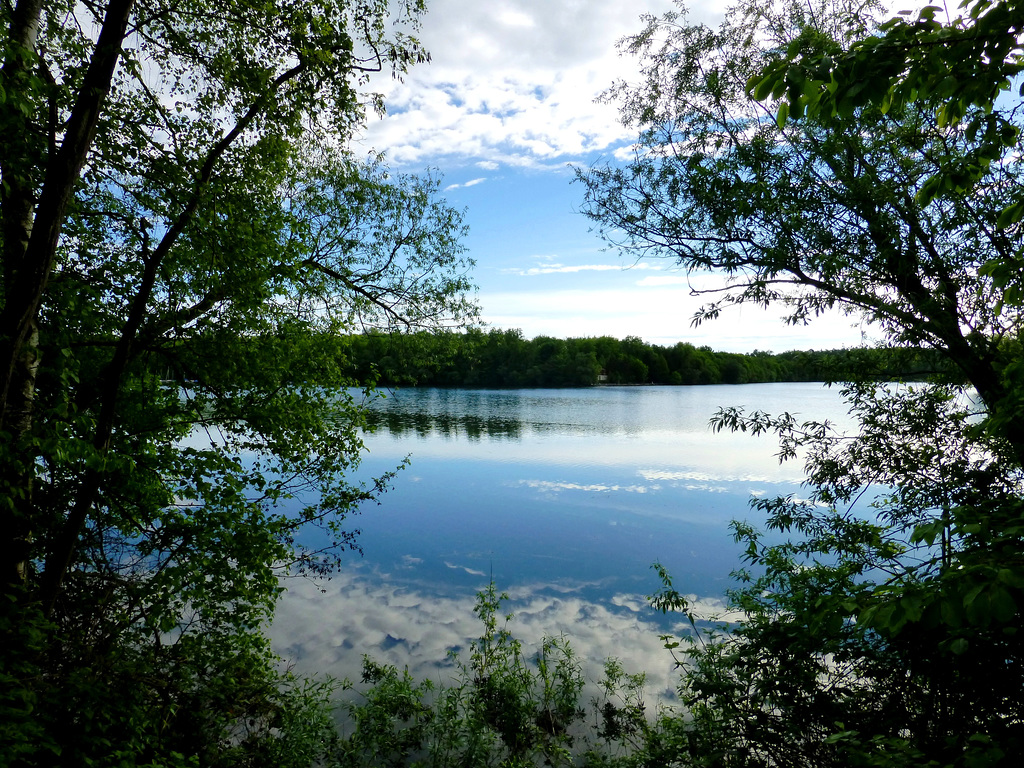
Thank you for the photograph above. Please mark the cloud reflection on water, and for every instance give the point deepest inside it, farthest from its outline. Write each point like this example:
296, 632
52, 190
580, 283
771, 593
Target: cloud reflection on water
554, 487
324, 628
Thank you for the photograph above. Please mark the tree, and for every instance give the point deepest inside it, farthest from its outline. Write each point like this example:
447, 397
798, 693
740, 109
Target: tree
809, 216
882, 632
874, 635
959, 68
182, 238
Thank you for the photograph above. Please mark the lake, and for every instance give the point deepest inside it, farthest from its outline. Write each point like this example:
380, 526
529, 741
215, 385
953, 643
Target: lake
565, 498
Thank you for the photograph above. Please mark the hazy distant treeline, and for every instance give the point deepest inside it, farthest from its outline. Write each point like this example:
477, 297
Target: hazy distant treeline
503, 358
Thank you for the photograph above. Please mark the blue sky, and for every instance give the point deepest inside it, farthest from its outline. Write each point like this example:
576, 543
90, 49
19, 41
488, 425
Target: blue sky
503, 111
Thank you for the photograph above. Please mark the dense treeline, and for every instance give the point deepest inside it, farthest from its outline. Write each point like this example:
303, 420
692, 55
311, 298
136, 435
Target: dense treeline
504, 358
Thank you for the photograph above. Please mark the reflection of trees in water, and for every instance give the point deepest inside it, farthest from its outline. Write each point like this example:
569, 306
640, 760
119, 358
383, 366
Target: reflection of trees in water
503, 414
403, 422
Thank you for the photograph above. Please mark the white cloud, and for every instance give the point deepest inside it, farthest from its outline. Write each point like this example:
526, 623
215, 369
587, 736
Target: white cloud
554, 269
470, 183
513, 82
626, 153
562, 268
514, 18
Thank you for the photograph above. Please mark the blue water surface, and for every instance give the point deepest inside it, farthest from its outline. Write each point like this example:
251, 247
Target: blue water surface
563, 497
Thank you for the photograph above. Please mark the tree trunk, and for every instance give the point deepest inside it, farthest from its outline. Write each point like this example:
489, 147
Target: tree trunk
30, 235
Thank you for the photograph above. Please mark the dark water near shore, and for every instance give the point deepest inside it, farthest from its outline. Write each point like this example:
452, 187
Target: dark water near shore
564, 497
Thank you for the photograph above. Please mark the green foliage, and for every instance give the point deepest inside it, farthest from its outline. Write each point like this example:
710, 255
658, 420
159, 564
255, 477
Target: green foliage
180, 233
502, 708
505, 359
216, 699
872, 635
960, 67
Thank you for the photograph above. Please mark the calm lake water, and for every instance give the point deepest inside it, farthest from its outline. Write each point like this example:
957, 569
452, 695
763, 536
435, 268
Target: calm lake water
565, 498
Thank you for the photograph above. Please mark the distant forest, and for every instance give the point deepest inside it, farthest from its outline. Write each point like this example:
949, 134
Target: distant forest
505, 359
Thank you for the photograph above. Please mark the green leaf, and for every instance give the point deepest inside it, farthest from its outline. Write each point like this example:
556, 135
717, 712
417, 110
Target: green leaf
1010, 215
783, 114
